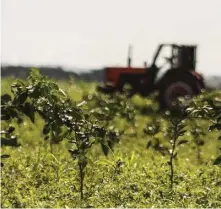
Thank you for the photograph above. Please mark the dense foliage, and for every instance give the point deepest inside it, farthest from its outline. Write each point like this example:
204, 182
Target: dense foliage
53, 140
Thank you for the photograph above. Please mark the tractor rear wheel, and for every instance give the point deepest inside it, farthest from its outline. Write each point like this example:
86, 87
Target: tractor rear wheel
172, 88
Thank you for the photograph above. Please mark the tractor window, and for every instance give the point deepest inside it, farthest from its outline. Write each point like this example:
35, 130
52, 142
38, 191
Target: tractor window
175, 58
165, 53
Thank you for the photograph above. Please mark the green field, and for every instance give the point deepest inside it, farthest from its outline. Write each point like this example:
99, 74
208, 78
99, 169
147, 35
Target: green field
40, 174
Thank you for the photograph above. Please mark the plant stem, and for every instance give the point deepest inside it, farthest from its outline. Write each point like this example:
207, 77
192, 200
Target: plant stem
172, 157
81, 181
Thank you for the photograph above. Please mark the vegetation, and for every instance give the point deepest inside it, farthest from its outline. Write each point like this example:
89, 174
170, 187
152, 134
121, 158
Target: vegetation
68, 146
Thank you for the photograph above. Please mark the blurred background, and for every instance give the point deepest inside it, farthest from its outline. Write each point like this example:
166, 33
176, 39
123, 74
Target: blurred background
73, 37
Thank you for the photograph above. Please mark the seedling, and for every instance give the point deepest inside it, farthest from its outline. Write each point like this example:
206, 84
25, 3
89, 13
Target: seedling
175, 130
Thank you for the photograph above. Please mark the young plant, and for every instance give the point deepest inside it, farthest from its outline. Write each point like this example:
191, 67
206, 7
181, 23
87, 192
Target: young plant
64, 119
208, 106
176, 129
82, 134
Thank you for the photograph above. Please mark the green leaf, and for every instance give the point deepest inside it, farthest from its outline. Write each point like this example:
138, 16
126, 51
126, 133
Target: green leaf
5, 98
200, 142
175, 155
62, 92
182, 142
215, 126
46, 129
77, 114
105, 149
217, 161
20, 99
149, 143
5, 117
181, 133
169, 163
5, 156
10, 142
82, 103
99, 132
11, 129
29, 110
54, 86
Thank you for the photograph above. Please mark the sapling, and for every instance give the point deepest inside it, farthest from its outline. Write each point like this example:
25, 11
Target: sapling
208, 106
176, 129
86, 133
64, 119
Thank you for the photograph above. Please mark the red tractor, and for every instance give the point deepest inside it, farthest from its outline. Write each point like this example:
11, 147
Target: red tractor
176, 80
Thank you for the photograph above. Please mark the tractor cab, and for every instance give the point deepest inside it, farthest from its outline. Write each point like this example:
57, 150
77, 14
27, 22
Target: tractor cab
181, 56
172, 57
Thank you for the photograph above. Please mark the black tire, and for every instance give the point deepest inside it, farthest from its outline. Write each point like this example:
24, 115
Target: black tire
173, 87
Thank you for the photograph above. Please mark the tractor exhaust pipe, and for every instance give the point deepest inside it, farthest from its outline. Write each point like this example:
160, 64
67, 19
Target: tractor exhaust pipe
129, 58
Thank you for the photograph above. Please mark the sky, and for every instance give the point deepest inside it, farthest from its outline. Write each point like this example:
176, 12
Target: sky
87, 34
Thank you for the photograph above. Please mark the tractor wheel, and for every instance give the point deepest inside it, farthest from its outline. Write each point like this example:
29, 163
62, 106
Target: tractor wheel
171, 89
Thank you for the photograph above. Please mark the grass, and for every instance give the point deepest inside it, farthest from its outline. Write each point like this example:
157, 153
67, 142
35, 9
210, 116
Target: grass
130, 176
